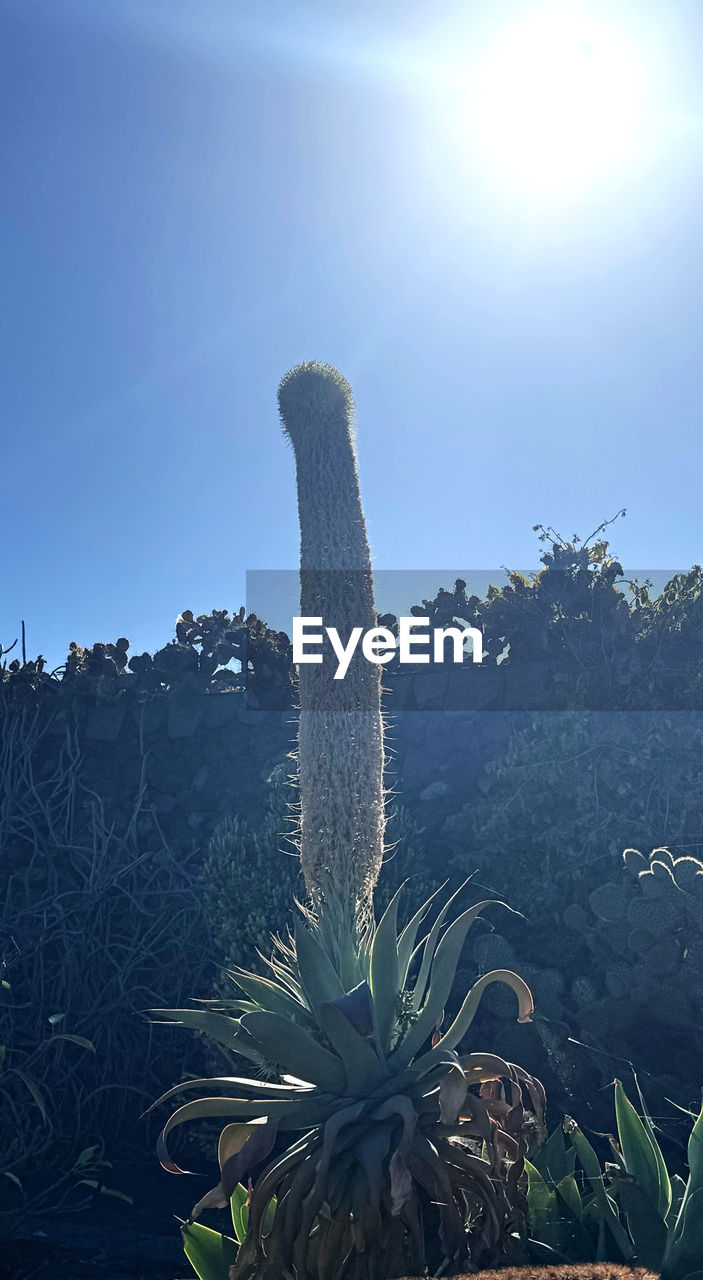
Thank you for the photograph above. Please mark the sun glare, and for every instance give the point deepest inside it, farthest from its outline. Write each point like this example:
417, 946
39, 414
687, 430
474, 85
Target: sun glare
554, 105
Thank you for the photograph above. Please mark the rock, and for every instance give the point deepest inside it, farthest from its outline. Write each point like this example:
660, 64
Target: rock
435, 791
184, 714
200, 778
104, 722
163, 804
430, 690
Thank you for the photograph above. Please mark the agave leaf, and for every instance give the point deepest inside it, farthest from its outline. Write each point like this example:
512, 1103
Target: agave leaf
429, 1165
678, 1191
270, 996
474, 1111
330, 1135
695, 1165
587, 1157
353, 1196
286, 1043
241, 1146
384, 973
240, 1211
401, 1183
408, 937
541, 1202
640, 1157
347, 951
429, 949
286, 976
569, 1192
467, 1012
683, 1257
209, 1253
685, 1248
602, 1208
300, 1183
399, 1105
695, 1153
234, 1137
329, 1246
647, 1229
603, 1242
452, 1094
361, 1063
318, 1193
618, 1159
259, 1088
217, 1026
357, 1007
269, 1215
318, 978
224, 1005
573, 1236
261, 1197
479, 1068
339, 1187
239, 1208
442, 975
665, 1190
296, 991
288, 1115
552, 1160
371, 1152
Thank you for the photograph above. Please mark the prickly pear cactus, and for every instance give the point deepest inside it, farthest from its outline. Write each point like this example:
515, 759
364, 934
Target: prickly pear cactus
645, 983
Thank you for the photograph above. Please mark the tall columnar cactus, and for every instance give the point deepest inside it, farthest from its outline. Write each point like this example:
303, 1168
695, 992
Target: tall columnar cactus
340, 735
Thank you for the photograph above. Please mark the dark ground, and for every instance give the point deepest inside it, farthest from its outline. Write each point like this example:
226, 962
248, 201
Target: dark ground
112, 1240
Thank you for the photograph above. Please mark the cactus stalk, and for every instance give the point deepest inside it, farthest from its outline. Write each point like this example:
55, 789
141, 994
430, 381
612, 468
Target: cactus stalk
340, 733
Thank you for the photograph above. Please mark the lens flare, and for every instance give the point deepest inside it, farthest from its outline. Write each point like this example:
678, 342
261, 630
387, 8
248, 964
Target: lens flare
554, 104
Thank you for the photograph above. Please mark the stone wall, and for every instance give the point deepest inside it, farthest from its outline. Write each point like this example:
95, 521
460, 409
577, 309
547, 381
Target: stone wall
192, 758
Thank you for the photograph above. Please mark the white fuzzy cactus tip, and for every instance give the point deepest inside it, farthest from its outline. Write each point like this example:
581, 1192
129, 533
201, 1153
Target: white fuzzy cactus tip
314, 398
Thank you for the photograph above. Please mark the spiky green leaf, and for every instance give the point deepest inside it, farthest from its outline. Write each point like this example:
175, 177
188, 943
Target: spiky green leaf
361, 1064
209, 1253
217, 1026
639, 1154
384, 978
295, 1051
442, 974
318, 978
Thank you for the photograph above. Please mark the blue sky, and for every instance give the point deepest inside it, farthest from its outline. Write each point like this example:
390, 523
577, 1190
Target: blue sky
198, 194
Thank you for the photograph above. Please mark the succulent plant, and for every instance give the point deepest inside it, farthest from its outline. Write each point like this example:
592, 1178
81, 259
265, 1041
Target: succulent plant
632, 1210
376, 1103
583, 992
247, 883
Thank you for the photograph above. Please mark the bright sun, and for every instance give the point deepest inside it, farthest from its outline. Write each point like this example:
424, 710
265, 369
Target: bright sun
555, 103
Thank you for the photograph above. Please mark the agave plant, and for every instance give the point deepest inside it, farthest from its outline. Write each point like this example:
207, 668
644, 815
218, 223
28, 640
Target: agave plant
373, 1112
631, 1211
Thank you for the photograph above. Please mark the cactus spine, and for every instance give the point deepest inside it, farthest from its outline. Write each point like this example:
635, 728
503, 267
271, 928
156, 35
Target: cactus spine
340, 734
